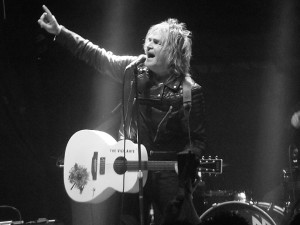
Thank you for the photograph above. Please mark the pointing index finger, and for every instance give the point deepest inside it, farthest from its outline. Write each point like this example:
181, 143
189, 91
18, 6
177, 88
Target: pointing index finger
47, 10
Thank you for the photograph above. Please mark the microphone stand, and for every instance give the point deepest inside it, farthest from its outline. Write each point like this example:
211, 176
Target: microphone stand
140, 173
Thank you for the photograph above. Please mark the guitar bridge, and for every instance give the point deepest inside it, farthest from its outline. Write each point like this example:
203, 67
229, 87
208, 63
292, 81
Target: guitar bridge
102, 166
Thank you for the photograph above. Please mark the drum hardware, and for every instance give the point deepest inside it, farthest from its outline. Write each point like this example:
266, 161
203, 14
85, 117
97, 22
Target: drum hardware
217, 196
219, 193
291, 188
151, 215
250, 212
293, 210
278, 214
270, 207
254, 212
287, 205
294, 157
240, 196
291, 180
213, 197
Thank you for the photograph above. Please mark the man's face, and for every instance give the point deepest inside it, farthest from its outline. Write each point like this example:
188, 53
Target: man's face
156, 59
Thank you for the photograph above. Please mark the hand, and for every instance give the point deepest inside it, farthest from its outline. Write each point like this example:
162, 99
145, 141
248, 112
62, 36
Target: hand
48, 22
295, 120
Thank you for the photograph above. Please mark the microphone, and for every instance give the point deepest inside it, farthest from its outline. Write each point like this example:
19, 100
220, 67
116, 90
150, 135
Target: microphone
140, 59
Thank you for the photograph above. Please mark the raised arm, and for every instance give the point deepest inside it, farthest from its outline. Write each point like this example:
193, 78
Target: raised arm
100, 59
48, 22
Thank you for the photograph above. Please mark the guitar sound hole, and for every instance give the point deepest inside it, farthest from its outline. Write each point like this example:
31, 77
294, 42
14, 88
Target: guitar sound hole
120, 165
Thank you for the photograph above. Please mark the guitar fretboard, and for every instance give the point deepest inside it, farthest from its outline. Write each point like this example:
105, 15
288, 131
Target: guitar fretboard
145, 165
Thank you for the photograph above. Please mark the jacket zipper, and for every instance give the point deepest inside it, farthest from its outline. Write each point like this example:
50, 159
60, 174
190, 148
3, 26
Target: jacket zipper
160, 123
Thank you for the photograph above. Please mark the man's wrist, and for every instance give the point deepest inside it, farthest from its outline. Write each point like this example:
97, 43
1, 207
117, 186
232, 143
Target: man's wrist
58, 30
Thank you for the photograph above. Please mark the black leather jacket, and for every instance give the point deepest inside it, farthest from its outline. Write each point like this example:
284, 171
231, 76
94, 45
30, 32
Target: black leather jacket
163, 126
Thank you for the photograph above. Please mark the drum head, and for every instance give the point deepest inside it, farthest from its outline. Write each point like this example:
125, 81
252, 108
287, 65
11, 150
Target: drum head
277, 213
252, 214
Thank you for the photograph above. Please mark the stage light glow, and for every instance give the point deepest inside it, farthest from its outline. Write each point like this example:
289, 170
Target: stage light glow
275, 98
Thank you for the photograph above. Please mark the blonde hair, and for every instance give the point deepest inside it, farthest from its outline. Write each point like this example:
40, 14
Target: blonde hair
178, 44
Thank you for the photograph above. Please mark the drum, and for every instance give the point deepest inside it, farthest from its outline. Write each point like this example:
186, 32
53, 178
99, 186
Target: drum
277, 213
203, 200
217, 196
252, 214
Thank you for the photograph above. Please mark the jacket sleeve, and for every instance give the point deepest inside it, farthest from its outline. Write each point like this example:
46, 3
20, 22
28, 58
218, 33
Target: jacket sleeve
103, 61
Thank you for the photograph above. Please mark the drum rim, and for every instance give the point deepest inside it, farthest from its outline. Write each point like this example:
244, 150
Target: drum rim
245, 204
276, 208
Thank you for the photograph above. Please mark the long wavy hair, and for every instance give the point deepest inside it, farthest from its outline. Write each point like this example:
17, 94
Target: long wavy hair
178, 44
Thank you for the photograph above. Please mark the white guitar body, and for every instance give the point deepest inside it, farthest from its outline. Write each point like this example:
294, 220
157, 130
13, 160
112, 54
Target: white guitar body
81, 148
95, 166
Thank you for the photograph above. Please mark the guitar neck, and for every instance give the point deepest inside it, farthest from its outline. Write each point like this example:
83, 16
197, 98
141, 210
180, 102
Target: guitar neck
211, 166
151, 165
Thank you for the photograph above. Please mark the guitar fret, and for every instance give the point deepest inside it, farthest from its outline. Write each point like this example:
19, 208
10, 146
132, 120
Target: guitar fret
150, 165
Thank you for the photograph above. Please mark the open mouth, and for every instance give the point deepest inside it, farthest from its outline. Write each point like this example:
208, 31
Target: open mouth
150, 55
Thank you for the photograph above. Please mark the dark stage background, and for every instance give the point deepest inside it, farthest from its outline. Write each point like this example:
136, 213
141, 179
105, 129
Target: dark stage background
245, 55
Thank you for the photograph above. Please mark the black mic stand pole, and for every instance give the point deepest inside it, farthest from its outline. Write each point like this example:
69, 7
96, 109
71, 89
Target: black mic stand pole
140, 173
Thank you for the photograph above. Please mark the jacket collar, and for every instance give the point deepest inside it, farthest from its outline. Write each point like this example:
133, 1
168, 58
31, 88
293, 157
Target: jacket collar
174, 82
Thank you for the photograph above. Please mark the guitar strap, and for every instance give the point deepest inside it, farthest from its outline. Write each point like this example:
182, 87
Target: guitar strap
187, 95
187, 101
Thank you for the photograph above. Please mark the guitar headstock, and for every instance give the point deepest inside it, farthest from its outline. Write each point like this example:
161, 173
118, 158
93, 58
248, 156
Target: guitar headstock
210, 165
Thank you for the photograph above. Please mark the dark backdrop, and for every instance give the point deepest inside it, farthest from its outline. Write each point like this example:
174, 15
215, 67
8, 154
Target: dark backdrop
245, 55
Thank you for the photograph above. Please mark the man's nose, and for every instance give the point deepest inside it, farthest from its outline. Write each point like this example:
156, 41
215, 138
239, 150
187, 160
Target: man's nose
149, 47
